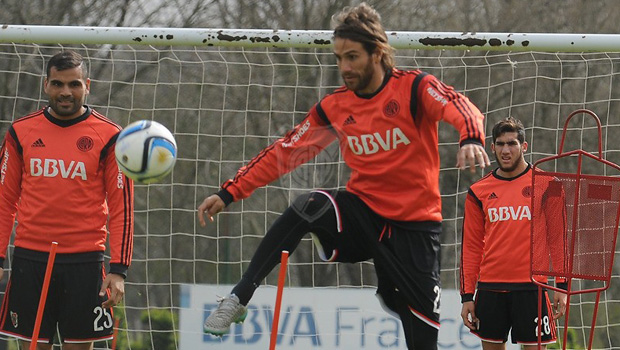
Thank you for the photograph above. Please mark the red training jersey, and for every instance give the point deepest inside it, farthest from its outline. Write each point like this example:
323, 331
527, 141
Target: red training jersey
62, 180
496, 241
389, 140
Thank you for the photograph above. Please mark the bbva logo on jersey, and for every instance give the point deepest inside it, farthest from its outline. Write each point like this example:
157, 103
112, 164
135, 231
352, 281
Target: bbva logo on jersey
55, 167
372, 143
509, 213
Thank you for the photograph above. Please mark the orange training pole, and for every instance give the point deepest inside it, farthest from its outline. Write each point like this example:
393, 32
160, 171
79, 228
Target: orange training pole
117, 321
276, 311
46, 285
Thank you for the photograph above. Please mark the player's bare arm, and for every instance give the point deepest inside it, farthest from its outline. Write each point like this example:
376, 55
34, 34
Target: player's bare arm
472, 154
209, 207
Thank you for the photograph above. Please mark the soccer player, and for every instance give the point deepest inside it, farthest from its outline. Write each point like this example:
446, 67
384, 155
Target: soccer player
386, 122
495, 256
60, 176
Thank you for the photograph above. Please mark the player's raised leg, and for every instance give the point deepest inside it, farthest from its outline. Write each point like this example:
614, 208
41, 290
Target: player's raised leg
309, 212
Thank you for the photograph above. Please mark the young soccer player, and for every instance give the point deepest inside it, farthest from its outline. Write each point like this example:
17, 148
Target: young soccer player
495, 256
60, 176
386, 122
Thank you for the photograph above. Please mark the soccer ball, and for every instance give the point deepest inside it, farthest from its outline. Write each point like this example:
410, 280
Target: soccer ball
145, 151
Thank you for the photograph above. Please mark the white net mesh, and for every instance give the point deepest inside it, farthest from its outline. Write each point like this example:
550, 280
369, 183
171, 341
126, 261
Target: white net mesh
225, 104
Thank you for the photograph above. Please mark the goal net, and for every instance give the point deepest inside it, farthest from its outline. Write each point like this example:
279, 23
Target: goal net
225, 102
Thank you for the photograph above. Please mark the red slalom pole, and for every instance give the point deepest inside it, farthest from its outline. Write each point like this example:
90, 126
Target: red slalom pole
116, 324
43, 298
276, 311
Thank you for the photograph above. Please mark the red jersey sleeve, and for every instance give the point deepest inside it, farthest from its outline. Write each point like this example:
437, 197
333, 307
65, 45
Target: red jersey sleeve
120, 199
472, 246
444, 103
300, 145
10, 188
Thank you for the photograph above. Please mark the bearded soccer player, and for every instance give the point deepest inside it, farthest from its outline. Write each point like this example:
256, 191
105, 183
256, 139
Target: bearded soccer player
386, 122
60, 176
495, 256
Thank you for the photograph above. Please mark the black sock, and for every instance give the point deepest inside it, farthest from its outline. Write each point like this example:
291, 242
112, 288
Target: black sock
285, 234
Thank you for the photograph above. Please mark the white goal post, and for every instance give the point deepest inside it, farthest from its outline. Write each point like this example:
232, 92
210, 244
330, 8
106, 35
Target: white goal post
227, 93
559, 42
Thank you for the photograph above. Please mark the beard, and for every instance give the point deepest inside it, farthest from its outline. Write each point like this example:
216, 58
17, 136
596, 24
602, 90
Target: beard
363, 79
65, 111
510, 168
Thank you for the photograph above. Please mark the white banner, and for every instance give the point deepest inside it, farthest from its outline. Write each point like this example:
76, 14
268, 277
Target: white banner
314, 318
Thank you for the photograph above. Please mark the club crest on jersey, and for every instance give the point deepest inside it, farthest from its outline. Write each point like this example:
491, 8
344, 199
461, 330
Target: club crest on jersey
391, 108
527, 191
375, 142
85, 143
509, 213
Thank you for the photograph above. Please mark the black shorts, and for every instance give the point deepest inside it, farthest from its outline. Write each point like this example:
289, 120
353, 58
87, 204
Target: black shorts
406, 255
73, 302
516, 311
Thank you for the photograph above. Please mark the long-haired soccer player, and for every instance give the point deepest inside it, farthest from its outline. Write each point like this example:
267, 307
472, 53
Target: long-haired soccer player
495, 257
386, 122
60, 176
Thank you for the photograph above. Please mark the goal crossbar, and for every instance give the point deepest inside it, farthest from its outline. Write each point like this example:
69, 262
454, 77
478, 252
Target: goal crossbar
547, 42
